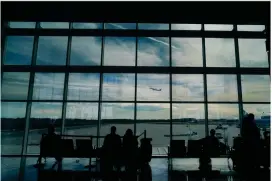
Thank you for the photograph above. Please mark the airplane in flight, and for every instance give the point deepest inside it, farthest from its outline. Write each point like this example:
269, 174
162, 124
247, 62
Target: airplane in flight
154, 89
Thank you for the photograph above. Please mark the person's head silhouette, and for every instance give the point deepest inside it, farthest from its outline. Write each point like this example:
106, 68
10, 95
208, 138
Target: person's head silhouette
212, 132
113, 130
251, 117
129, 132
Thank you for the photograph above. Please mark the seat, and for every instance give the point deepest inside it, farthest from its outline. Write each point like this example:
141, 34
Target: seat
84, 148
194, 148
177, 149
67, 146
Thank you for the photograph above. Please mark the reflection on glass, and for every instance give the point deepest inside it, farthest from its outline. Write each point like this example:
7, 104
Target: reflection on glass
42, 115
85, 51
52, 50
188, 121
220, 52
120, 26
54, 25
119, 51
250, 27
120, 115
187, 52
213, 27
81, 119
15, 85
153, 87
153, 51
149, 26
252, 53
222, 87
87, 26
12, 126
187, 87
224, 118
48, 86
83, 86
118, 87
255, 88
22, 24
18, 50
186, 27
155, 119
10, 168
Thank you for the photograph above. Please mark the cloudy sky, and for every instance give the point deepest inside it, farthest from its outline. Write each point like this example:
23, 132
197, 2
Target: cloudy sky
120, 51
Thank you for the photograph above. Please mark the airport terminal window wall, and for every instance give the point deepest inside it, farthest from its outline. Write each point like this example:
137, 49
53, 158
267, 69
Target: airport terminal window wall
176, 81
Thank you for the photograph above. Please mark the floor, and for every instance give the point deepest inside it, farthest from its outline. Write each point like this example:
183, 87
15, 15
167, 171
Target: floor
159, 168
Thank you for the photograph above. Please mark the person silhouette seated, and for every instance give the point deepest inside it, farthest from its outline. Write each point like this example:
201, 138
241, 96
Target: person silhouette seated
111, 150
130, 148
50, 146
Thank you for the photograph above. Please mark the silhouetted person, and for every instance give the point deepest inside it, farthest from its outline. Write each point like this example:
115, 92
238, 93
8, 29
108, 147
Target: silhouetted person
266, 150
50, 145
251, 144
130, 148
111, 151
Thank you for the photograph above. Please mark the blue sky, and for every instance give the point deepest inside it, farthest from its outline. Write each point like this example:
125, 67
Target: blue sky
120, 51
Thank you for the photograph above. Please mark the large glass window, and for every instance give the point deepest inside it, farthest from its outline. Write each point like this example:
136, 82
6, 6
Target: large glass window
81, 119
86, 51
188, 121
250, 27
22, 25
83, 86
155, 119
186, 27
119, 51
149, 26
153, 51
10, 168
52, 50
253, 53
118, 87
42, 115
18, 50
220, 52
15, 85
48, 86
12, 127
256, 88
187, 52
87, 26
222, 88
54, 25
120, 26
213, 27
187, 87
153, 87
224, 118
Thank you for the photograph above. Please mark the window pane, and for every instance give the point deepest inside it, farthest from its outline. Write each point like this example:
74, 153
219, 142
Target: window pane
22, 24
81, 119
153, 51
10, 168
211, 27
224, 119
15, 85
119, 51
188, 122
250, 27
222, 88
256, 88
42, 115
12, 127
149, 26
186, 27
18, 50
120, 115
86, 51
262, 114
52, 50
253, 53
153, 87
118, 87
87, 25
220, 52
83, 86
55, 25
120, 26
187, 52
48, 86
187, 87
155, 119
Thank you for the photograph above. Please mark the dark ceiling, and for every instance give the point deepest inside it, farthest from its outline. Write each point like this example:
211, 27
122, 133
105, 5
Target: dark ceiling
175, 12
